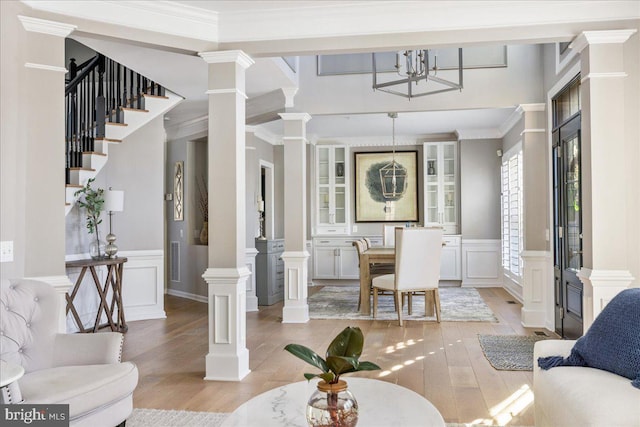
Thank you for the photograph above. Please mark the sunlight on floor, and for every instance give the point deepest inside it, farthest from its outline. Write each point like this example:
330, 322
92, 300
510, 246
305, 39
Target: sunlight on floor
512, 406
404, 344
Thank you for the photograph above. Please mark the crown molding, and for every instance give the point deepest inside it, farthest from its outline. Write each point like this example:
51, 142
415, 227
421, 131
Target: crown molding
264, 135
225, 56
46, 67
304, 117
36, 25
531, 107
617, 74
223, 91
600, 37
165, 17
511, 121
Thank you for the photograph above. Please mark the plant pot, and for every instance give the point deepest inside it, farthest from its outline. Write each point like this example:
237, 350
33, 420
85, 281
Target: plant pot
204, 233
332, 405
97, 249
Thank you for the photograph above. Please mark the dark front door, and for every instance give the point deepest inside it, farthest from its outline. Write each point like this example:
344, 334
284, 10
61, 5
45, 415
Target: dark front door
567, 228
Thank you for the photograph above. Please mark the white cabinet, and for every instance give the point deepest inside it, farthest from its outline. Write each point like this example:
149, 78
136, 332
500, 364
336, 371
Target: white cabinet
451, 259
335, 258
332, 183
441, 197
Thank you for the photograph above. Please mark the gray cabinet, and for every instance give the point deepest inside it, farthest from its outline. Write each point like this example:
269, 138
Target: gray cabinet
269, 271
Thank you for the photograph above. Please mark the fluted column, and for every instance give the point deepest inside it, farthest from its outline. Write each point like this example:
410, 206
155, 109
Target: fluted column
227, 273
295, 255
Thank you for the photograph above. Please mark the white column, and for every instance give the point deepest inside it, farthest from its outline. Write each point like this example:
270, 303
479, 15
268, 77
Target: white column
295, 255
44, 71
227, 273
536, 257
604, 183
252, 297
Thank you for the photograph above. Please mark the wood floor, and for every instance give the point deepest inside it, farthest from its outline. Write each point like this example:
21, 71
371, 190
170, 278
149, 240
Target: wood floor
442, 362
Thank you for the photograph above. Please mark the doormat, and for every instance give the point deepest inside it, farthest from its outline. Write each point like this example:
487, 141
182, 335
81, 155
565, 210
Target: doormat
456, 305
509, 352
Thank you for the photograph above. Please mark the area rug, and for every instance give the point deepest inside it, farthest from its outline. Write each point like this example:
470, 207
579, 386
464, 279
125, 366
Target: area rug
456, 305
509, 352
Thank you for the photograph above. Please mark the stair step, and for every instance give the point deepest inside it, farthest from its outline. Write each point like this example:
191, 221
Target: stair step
146, 95
109, 140
116, 124
94, 152
73, 186
140, 110
82, 169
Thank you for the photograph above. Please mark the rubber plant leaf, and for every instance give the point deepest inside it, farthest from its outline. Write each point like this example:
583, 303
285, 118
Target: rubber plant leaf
342, 365
308, 355
327, 376
367, 366
348, 343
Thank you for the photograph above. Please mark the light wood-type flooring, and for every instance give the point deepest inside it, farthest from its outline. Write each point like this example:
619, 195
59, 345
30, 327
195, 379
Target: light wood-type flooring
443, 362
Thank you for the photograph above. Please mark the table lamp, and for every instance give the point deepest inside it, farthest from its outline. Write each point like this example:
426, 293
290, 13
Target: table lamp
113, 202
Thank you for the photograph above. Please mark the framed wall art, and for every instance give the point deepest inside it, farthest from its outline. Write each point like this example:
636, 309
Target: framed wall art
386, 186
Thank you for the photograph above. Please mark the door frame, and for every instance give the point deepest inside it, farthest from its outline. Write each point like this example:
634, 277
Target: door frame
269, 204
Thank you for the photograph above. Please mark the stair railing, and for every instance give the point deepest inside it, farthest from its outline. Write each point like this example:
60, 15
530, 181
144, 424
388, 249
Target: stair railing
97, 92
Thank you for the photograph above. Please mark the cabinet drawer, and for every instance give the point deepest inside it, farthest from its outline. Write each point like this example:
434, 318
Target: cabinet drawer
451, 240
334, 242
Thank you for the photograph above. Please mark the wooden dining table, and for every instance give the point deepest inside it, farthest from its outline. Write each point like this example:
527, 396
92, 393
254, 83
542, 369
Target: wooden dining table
373, 255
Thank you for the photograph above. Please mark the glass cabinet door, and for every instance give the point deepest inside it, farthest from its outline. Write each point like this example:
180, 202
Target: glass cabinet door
331, 187
441, 185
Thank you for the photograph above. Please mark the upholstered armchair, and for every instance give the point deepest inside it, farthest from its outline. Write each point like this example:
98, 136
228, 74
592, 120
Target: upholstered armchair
81, 370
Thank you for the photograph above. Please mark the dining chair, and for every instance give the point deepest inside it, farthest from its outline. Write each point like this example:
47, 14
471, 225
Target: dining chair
388, 235
418, 252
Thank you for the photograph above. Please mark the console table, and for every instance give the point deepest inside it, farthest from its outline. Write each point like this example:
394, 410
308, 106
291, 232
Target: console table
379, 404
113, 280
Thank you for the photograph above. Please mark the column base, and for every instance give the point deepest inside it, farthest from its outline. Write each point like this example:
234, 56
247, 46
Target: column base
296, 309
228, 357
535, 288
600, 286
227, 367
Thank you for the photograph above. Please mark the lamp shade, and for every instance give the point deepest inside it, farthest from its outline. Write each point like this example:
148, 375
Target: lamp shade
114, 201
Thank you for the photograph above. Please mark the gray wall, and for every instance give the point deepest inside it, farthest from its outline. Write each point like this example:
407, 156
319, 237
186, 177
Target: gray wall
480, 188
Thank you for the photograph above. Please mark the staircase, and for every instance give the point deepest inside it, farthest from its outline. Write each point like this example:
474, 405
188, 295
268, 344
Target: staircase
104, 103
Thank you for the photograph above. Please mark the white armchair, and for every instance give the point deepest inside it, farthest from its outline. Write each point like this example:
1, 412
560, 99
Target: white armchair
81, 370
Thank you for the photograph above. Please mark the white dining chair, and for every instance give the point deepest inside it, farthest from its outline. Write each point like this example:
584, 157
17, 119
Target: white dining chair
418, 252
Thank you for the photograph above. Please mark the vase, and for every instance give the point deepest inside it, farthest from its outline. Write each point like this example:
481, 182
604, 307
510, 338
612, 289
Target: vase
332, 405
204, 233
97, 249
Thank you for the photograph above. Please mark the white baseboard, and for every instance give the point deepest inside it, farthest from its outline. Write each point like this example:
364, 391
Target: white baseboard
187, 295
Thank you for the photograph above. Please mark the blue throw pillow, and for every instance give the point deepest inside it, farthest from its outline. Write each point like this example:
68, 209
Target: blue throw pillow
612, 343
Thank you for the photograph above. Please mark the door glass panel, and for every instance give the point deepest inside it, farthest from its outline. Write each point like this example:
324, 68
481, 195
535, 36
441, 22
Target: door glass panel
574, 299
449, 203
323, 205
432, 203
573, 204
449, 162
323, 166
340, 210
339, 165
432, 164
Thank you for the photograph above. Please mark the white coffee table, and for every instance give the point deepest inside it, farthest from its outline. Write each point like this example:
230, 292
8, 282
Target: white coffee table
379, 404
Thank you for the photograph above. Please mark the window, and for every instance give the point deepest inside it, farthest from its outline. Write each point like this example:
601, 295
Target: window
512, 231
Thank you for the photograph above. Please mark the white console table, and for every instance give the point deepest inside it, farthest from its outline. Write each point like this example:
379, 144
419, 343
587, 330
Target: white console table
379, 404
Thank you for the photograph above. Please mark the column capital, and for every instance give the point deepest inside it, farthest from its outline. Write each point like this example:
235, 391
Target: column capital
304, 117
44, 26
224, 56
600, 37
289, 93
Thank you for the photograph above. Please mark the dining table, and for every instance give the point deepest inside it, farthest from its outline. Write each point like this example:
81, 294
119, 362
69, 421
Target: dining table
377, 255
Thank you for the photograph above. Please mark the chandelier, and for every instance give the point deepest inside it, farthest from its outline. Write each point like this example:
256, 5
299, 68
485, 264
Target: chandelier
414, 67
393, 176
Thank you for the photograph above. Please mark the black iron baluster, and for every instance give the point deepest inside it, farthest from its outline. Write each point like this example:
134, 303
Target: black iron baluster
100, 100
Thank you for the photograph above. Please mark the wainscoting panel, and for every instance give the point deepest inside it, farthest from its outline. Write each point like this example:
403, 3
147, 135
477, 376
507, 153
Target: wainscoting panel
481, 263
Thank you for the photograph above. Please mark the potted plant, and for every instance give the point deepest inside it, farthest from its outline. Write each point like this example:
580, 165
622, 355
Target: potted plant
333, 404
93, 201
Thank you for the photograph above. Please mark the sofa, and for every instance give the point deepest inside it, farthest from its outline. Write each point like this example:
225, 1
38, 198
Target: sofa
81, 370
567, 396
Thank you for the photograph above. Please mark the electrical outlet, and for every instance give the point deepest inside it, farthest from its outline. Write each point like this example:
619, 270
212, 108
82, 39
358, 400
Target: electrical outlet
6, 251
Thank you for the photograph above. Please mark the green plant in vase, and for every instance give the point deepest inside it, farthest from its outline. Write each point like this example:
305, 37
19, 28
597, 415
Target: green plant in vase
92, 200
332, 404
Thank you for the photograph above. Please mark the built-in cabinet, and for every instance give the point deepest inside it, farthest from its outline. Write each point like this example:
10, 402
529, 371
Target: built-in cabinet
441, 177
335, 258
269, 271
451, 259
332, 184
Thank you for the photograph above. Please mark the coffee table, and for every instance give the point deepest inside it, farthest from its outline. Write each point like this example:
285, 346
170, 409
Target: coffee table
379, 404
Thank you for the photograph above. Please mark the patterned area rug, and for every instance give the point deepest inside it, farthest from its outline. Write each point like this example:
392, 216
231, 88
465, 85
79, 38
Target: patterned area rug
169, 418
509, 352
456, 305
